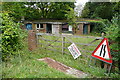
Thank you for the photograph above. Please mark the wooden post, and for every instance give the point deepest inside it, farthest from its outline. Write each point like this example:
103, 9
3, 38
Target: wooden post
63, 40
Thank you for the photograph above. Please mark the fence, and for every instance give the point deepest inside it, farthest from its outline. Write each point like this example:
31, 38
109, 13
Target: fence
59, 43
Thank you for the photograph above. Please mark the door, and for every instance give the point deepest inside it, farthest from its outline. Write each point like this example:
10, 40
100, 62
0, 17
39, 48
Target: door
29, 26
85, 29
49, 28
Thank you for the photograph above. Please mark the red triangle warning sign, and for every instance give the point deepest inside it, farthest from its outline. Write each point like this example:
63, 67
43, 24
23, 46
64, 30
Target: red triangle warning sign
102, 52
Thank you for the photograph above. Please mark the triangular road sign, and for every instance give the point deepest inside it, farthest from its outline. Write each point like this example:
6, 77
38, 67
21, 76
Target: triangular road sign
102, 52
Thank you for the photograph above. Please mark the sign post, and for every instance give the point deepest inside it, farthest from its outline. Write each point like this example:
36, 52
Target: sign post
102, 52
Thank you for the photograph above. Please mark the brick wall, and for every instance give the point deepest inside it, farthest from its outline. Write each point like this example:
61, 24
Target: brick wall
79, 29
33, 26
88, 28
44, 26
32, 41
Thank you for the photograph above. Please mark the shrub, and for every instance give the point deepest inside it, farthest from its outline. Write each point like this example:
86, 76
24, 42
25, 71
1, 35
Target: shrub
12, 36
113, 34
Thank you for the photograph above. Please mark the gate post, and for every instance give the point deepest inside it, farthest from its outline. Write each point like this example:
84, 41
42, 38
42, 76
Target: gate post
32, 41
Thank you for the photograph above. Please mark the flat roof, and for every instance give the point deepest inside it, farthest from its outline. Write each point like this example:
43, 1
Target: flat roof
53, 21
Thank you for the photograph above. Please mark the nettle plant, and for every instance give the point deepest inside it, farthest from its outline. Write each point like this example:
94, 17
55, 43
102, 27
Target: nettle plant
11, 36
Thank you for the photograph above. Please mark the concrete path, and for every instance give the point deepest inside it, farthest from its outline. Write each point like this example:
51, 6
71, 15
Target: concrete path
63, 68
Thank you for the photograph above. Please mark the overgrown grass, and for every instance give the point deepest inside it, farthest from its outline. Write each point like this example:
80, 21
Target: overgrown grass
27, 65
30, 67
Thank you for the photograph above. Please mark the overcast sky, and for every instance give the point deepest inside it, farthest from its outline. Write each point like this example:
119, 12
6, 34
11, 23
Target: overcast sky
79, 6
81, 2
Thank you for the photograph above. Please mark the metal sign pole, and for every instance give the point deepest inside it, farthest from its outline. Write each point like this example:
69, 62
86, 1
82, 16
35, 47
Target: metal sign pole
89, 64
109, 69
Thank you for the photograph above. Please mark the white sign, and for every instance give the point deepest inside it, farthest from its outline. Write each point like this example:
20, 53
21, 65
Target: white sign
74, 51
102, 52
70, 28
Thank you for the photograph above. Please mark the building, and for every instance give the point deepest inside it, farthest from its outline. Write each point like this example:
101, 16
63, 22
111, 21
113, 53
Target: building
57, 26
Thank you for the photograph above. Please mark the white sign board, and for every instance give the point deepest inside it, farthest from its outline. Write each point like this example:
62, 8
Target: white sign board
74, 51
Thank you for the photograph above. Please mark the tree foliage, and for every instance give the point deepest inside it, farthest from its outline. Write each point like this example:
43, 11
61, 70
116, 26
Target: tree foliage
104, 10
113, 33
37, 10
100, 10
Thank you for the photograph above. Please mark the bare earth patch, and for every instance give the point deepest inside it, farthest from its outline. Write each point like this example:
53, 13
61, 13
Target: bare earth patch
63, 68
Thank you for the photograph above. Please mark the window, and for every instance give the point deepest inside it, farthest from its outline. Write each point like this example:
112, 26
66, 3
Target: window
39, 26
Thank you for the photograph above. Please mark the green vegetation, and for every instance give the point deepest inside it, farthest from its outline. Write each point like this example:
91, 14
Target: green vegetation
19, 62
98, 10
104, 11
12, 36
27, 65
113, 34
82, 62
37, 10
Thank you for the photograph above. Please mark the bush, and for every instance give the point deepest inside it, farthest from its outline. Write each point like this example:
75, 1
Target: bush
113, 34
12, 36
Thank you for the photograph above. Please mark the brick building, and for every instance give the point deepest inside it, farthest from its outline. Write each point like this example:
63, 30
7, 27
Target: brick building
57, 26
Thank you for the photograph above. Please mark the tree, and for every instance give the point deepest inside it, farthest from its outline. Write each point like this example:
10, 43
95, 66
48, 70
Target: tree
113, 33
104, 10
15, 9
86, 11
37, 10
100, 10
71, 18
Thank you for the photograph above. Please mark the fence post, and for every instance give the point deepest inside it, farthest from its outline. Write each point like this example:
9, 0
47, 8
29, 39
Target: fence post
63, 40
32, 41
102, 35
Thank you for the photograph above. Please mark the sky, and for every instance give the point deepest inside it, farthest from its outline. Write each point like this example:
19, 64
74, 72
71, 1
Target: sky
79, 6
81, 2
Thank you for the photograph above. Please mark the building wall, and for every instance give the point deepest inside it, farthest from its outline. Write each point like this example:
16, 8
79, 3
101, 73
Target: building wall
57, 28
60, 28
33, 26
88, 28
79, 29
